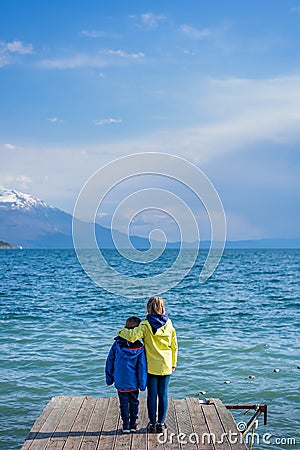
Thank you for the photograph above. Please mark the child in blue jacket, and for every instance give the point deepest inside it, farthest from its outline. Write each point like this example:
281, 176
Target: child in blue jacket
126, 367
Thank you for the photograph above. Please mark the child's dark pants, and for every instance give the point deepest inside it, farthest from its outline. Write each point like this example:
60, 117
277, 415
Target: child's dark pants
129, 407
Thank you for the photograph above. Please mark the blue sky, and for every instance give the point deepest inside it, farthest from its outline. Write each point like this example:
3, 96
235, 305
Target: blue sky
218, 83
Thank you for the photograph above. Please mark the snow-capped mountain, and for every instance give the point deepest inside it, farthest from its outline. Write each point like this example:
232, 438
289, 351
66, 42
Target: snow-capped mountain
28, 222
15, 200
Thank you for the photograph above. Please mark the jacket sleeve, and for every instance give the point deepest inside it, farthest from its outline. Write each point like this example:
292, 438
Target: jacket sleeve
133, 334
174, 347
110, 365
142, 371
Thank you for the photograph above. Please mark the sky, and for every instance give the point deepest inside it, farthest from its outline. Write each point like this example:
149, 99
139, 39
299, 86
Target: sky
217, 83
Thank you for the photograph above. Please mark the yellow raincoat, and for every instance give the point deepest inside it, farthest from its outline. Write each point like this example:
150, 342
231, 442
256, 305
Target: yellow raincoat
161, 347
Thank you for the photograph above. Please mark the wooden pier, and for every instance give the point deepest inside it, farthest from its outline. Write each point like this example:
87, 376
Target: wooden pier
87, 423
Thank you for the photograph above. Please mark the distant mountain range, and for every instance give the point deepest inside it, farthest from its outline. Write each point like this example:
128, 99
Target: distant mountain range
28, 222
5, 245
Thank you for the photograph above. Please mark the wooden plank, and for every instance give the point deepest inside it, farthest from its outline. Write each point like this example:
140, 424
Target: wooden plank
199, 424
122, 440
39, 422
56, 444
80, 424
184, 425
215, 428
94, 428
172, 430
153, 442
61, 433
110, 425
229, 425
139, 439
43, 436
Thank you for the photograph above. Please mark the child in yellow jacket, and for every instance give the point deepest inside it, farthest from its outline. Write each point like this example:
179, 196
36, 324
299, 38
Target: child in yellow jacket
161, 347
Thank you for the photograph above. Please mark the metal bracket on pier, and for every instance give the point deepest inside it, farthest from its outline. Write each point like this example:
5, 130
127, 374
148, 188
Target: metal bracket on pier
258, 408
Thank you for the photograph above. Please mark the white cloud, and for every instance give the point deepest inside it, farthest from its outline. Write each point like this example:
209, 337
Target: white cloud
152, 20
295, 9
107, 121
16, 181
149, 19
194, 33
9, 147
54, 120
94, 34
102, 59
245, 112
19, 47
125, 55
73, 62
9, 49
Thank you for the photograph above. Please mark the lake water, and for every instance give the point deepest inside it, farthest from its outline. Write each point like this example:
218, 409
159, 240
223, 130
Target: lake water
56, 328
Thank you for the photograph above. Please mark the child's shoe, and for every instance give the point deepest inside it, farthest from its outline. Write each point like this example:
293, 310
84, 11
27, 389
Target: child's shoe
160, 427
133, 427
126, 428
151, 428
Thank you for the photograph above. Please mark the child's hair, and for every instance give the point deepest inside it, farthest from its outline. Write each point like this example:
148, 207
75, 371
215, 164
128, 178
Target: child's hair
156, 305
132, 322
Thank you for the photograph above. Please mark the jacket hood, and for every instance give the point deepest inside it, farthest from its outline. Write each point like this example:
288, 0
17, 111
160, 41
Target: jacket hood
131, 349
157, 321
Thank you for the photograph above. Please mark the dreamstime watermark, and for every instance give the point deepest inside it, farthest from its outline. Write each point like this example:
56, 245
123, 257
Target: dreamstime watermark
231, 437
127, 169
